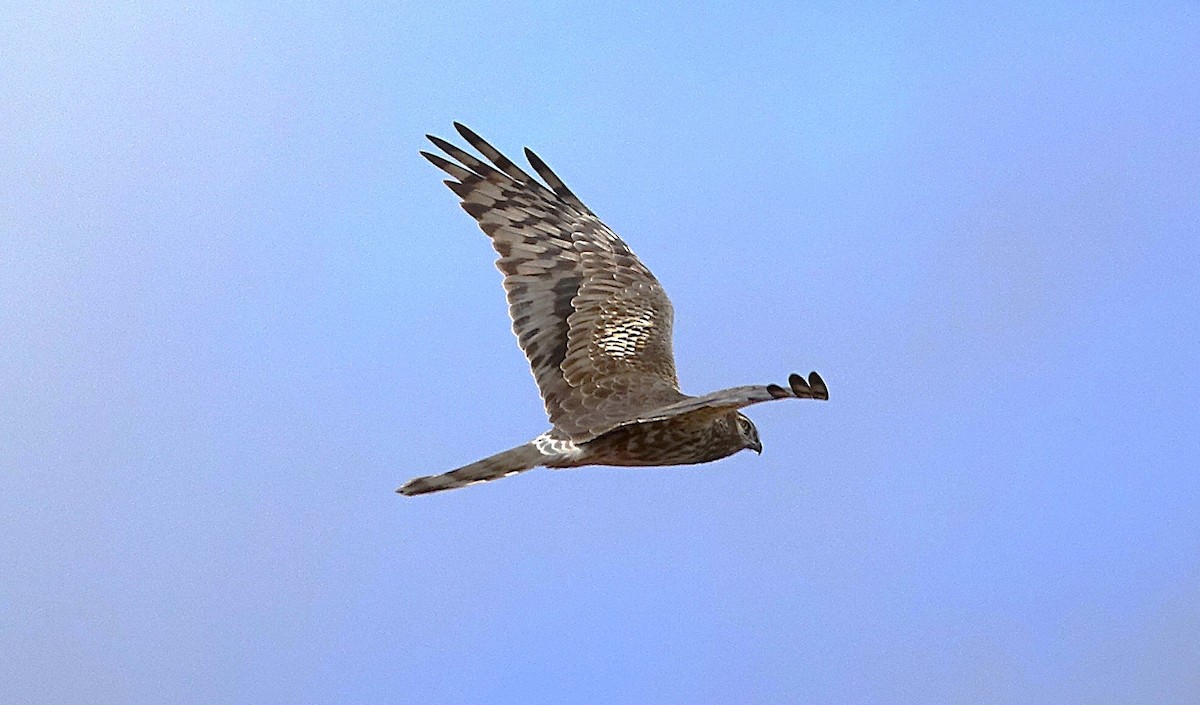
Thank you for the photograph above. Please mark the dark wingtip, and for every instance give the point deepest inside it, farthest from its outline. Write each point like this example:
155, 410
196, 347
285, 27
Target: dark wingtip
812, 388
819, 390
414, 487
534, 159
556, 184
441, 143
460, 189
467, 133
799, 386
777, 392
438, 141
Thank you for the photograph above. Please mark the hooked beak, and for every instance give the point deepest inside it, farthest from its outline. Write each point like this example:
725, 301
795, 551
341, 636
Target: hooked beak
757, 447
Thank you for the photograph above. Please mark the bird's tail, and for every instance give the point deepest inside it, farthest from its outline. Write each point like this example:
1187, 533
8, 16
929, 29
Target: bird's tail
510, 462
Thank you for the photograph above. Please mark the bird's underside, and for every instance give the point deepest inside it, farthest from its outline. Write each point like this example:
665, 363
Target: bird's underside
595, 326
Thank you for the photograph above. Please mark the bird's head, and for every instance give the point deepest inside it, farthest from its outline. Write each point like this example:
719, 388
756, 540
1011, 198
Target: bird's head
747, 433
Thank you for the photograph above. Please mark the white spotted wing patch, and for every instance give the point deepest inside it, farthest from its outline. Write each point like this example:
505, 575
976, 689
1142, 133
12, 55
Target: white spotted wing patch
624, 331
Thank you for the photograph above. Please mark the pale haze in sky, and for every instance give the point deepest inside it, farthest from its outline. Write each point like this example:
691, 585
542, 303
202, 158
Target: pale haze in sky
237, 310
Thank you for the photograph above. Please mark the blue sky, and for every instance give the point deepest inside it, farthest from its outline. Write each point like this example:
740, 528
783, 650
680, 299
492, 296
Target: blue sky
239, 310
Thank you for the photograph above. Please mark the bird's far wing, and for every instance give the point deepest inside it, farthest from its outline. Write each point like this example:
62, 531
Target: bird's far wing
591, 319
727, 400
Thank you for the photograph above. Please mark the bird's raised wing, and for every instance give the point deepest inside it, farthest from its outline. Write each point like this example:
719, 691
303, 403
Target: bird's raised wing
592, 320
727, 400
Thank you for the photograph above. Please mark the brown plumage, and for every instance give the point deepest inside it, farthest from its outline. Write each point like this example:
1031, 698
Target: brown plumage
595, 326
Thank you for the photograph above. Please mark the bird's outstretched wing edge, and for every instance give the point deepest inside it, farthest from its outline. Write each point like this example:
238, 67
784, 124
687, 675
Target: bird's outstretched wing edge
592, 320
725, 400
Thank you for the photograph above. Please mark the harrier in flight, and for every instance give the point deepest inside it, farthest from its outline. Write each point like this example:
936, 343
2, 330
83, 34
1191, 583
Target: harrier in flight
596, 327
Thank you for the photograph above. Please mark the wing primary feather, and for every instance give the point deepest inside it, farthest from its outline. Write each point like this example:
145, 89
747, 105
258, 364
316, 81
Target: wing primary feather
820, 391
494, 156
556, 184
466, 158
777, 392
448, 166
799, 387
463, 190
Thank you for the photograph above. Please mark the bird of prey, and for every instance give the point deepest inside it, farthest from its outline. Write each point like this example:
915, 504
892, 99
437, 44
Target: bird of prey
595, 326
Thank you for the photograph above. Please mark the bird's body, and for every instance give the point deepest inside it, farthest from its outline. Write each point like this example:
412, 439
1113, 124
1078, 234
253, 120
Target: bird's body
678, 441
595, 326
